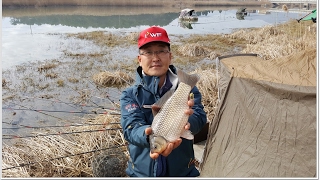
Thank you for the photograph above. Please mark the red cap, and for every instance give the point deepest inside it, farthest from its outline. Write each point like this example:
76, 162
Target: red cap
154, 33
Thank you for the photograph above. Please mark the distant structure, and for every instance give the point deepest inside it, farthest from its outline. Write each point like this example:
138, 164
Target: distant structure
306, 3
284, 7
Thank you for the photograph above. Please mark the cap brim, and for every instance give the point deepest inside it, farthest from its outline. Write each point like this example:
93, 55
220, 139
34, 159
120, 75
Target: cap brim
153, 41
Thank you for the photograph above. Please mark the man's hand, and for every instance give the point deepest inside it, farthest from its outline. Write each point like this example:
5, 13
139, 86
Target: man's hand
172, 145
190, 104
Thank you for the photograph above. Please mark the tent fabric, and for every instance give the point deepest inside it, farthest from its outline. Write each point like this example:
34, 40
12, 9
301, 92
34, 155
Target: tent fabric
265, 123
312, 15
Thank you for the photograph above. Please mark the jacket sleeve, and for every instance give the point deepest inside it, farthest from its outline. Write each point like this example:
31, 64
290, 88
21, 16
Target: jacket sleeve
199, 118
133, 121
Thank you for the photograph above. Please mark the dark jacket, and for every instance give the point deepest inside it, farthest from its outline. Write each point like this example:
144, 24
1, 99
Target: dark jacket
135, 119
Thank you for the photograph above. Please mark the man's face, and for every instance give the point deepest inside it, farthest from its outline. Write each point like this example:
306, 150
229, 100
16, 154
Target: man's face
155, 64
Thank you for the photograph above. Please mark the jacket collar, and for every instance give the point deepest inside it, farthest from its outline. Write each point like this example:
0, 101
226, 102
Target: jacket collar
151, 82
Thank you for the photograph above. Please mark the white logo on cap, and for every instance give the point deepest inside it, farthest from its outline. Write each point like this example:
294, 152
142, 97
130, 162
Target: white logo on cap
152, 35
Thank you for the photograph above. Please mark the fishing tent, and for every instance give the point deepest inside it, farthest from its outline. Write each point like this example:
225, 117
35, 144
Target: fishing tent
311, 16
265, 123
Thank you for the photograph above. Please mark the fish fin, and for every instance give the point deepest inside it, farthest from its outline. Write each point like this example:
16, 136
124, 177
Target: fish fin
187, 134
191, 80
163, 100
154, 113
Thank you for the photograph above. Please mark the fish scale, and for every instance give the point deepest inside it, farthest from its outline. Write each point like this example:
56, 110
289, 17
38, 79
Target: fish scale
173, 113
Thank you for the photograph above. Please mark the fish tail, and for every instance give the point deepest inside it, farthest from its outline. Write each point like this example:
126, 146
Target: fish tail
191, 80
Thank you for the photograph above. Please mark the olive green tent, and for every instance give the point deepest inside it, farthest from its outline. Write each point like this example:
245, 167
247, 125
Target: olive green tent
265, 123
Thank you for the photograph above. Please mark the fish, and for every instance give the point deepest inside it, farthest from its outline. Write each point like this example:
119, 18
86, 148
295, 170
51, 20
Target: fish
169, 122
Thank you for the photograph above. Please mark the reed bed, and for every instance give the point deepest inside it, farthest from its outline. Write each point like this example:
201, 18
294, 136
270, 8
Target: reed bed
133, 36
71, 155
207, 85
108, 79
193, 49
276, 41
109, 39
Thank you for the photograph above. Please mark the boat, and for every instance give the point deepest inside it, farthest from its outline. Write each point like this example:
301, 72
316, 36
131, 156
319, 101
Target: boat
241, 13
188, 14
185, 24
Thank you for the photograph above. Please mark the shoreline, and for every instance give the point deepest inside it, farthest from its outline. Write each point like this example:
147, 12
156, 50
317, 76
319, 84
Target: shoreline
101, 11
132, 3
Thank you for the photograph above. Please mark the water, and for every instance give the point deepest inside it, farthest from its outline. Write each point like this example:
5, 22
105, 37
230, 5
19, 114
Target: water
30, 34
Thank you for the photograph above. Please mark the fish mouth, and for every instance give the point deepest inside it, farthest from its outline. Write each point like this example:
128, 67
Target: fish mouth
157, 144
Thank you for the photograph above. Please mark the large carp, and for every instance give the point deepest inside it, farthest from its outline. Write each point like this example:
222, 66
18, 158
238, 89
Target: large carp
168, 124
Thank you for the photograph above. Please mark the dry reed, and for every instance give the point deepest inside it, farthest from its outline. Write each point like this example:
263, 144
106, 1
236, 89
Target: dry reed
46, 67
4, 82
133, 37
44, 151
102, 38
193, 49
107, 79
207, 85
276, 41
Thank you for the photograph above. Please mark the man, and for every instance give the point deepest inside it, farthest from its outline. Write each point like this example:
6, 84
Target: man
154, 77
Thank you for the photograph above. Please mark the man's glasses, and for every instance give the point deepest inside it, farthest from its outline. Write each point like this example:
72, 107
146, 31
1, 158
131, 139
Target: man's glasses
150, 54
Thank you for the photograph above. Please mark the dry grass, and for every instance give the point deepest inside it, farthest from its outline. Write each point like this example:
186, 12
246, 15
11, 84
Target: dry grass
209, 45
76, 151
276, 41
73, 80
193, 49
102, 38
208, 88
51, 75
46, 67
60, 83
132, 37
108, 79
4, 82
